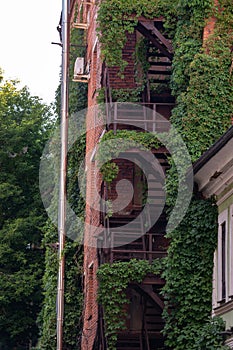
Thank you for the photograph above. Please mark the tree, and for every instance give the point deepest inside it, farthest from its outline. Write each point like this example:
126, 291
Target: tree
25, 122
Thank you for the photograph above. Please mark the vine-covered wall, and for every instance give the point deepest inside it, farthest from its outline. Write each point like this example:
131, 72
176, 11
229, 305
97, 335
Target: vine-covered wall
203, 114
202, 84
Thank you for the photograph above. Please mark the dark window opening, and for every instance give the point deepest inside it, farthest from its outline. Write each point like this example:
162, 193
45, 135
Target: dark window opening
223, 234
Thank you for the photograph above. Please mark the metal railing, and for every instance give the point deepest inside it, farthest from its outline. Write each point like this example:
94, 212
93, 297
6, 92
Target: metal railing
147, 247
147, 116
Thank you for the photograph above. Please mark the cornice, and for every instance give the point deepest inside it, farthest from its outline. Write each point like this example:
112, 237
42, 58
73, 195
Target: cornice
223, 309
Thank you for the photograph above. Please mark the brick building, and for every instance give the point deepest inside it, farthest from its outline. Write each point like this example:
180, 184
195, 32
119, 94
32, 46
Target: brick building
104, 240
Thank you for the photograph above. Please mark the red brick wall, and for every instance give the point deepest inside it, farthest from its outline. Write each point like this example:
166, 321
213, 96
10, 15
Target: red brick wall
126, 172
209, 28
128, 82
90, 313
94, 127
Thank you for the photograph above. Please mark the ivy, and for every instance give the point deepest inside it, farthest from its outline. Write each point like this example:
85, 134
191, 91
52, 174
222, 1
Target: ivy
202, 84
188, 274
204, 111
122, 95
116, 19
187, 40
126, 139
116, 278
210, 335
73, 297
141, 61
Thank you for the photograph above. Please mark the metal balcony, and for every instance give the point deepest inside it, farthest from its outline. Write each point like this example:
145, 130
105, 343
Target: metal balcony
150, 117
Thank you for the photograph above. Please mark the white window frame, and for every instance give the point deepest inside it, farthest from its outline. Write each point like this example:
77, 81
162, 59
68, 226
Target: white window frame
223, 217
215, 284
230, 250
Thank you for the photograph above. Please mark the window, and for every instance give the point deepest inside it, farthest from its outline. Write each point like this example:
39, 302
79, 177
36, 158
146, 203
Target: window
222, 258
223, 264
231, 253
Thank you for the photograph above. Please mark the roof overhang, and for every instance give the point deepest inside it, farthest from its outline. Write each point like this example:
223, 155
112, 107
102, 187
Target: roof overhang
213, 171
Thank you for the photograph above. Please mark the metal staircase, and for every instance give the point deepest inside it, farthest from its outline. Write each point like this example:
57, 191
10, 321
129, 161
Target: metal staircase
135, 235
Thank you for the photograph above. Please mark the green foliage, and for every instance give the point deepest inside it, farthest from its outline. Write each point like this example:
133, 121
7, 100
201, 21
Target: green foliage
116, 19
210, 337
127, 95
109, 171
73, 276
204, 110
47, 317
116, 278
112, 144
73, 293
122, 95
141, 61
188, 274
204, 107
25, 123
202, 84
77, 91
73, 250
187, 39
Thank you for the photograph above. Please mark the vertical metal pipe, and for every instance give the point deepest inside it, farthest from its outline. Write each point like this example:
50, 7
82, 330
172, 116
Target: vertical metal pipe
63, 172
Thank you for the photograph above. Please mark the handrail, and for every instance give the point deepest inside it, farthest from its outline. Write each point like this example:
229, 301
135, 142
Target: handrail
144, 115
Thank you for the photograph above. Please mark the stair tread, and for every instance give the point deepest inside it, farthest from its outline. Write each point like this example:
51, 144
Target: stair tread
160, 63
159, 72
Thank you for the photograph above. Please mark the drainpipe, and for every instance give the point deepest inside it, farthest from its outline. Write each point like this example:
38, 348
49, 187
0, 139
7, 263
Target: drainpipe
63, 172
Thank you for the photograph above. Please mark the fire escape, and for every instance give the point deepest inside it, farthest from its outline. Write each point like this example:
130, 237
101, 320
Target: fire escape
142, 239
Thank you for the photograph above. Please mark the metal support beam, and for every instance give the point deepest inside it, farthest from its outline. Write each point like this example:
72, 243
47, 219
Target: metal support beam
145, 32
148, 292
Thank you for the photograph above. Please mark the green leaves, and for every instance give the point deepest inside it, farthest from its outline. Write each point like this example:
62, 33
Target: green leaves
25, 123
188, 274
203, 86
112, 144
116, 19
116, 278
210, 337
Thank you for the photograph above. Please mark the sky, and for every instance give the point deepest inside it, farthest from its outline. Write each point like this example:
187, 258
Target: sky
27, 28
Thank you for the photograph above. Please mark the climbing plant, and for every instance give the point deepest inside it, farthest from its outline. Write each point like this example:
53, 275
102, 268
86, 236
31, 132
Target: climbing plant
126, 139
73, 298
202, 84
116, 278
188, 274
116, 19
141, 61
203, 88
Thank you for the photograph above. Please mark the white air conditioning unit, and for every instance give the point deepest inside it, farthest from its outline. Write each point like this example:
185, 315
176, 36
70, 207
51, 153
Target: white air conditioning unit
79, 66
81, 73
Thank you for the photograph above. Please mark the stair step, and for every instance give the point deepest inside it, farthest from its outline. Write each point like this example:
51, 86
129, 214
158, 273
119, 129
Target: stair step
128, 343
156, 54
158, 81
127, 346
160, 63
159, 72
